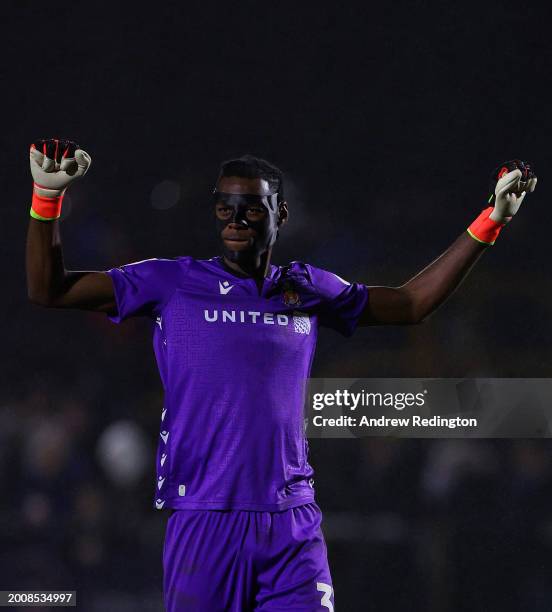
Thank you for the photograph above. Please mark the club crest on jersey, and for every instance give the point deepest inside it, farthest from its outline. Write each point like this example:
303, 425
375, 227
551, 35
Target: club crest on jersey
289, 295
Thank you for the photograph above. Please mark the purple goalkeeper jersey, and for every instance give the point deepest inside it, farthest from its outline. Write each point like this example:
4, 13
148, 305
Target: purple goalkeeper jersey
233, 362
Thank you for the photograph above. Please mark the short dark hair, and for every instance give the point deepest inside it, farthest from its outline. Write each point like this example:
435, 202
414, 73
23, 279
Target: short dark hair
249, 166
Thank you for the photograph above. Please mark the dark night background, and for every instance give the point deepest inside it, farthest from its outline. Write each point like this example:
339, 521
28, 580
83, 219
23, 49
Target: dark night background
387, 120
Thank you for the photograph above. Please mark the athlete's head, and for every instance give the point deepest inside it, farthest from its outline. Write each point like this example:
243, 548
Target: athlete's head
249, 207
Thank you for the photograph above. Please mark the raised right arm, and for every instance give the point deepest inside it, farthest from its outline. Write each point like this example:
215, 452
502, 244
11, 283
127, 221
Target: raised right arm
55, 164
50, 284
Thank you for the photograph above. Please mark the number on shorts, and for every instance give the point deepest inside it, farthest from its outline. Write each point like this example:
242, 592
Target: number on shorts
327, 590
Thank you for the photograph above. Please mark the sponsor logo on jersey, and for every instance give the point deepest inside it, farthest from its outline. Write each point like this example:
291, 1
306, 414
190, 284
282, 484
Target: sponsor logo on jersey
301, 323
300, 320
245, 316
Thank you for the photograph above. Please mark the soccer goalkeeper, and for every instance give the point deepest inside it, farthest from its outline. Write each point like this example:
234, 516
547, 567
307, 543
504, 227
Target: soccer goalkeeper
234, 338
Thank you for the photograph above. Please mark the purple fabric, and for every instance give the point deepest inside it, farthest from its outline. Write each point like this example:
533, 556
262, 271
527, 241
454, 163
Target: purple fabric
239, 561
233, 365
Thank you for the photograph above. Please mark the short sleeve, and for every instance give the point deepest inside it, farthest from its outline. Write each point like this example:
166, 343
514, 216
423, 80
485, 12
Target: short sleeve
141, 288
341, 302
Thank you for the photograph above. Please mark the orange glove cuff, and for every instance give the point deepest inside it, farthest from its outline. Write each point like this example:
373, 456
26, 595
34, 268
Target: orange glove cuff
46, 209
485, 230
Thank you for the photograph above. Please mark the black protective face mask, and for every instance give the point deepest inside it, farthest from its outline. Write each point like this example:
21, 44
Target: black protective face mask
238, 211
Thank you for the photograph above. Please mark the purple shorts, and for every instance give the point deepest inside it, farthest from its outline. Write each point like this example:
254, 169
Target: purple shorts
241, 561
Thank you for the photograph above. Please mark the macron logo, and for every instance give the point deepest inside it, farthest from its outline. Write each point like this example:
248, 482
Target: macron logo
225, 287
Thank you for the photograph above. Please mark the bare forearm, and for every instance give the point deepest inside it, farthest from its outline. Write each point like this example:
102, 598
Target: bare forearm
421, 295
50, 284
44, 261
435, 283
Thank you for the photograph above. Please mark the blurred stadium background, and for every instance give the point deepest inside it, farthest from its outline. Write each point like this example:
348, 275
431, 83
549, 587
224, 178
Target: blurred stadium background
387, 122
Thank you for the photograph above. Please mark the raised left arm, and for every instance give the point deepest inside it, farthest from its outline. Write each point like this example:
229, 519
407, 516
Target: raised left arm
412, 302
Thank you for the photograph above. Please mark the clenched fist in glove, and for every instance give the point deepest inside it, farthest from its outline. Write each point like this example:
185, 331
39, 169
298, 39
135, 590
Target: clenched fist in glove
55, 164
510, 183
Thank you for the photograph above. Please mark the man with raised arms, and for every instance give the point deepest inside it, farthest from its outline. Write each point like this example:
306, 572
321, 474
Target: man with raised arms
234, 338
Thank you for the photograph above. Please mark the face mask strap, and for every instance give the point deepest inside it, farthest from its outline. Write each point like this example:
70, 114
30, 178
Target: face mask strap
270, 202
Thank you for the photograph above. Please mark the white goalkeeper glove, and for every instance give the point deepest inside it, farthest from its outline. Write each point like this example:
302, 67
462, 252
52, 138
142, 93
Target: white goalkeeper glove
55, 164
510, 191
